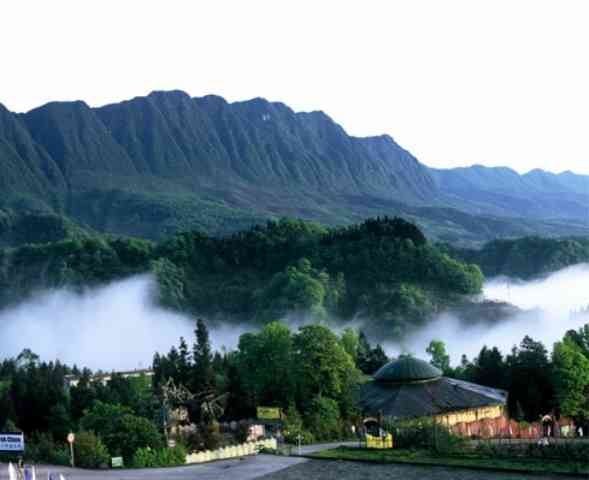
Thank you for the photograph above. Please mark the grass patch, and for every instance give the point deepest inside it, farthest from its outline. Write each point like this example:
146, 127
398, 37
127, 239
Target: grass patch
422, 457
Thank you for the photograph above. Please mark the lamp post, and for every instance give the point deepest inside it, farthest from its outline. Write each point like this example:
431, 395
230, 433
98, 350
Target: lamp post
71, 438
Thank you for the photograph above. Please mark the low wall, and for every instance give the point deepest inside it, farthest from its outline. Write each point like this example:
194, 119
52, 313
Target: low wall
503, 427
249, 448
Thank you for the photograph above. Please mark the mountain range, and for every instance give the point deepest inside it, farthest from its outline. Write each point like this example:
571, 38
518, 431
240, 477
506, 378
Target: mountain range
165, 162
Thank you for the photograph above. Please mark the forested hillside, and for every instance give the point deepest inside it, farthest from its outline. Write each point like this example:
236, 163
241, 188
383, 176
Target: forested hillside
152, 166
526, 257
383, 270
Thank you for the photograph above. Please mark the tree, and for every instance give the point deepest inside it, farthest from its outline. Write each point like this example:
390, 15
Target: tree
299, 288
440, 359
571, 378
489, 368
82, 396
121, 431
203, 374
369, 359
184, 363
323, 366
323, 418
90, 451
266, 365
528, 374
350, 341
581, 338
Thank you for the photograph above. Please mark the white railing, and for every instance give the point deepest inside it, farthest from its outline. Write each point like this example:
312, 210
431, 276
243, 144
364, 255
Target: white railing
235, 451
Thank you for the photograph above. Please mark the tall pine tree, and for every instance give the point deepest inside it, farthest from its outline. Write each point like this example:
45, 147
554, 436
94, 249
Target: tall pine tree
203, 378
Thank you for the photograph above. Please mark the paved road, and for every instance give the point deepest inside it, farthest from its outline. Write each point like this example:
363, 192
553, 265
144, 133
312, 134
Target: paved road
245, 469
272, 467
249, 468
332, 470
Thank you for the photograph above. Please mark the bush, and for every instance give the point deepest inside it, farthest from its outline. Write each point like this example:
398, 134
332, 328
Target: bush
89, 451
242, 434
211, 435
425, 434
291, 436
324, 419
122, 432
195, 440
42, 448
165, 457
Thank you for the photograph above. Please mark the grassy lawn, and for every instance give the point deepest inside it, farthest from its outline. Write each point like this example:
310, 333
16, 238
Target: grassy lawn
473, 461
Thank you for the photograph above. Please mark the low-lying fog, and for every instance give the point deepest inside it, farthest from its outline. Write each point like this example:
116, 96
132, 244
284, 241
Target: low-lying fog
114, 327
120, 327
549, 301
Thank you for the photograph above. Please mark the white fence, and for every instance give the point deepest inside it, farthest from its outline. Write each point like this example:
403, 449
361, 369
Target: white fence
249, 448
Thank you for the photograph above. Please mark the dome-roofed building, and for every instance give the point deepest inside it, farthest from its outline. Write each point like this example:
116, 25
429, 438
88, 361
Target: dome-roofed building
412, 388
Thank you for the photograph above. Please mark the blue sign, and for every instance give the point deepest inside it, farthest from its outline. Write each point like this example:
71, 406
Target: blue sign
12, 442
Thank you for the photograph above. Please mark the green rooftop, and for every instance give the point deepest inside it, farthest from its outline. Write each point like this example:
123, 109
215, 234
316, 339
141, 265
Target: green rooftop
407, 369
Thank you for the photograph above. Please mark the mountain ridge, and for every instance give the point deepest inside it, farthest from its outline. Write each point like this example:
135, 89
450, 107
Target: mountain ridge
159, 163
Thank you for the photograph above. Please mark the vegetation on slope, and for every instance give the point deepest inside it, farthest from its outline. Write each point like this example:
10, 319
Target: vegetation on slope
383, 269
525, 257
164, 163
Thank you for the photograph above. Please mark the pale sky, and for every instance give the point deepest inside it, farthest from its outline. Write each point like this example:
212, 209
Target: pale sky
455, 82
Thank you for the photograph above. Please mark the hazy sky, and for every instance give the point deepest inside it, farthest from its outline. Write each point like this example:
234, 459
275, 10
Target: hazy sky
456, 82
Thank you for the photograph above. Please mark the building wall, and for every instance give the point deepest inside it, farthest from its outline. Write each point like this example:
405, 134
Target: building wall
472, 415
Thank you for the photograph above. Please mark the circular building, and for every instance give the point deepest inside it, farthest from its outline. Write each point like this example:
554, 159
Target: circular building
412, 388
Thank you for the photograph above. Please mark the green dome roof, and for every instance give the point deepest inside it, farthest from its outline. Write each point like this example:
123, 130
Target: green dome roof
407, 369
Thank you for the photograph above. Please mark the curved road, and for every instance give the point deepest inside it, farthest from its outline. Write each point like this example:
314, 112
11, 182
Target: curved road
272, 467
246, 468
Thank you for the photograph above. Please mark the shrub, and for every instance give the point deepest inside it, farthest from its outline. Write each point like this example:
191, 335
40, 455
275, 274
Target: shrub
243, 429
90, 452
164, 457
211, 435
43, 448
291, 436
324, 419
121, 431
425, 434
195, 440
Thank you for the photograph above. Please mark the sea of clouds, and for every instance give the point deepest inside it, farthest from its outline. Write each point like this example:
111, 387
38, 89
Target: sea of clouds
120, 326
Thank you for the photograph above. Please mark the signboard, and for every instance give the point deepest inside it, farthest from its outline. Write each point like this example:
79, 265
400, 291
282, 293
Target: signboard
12, 442
117, 462
268, 413
71, 438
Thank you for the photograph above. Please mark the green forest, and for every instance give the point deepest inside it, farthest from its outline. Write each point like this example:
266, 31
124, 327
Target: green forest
383, 269
311, 374
526, 257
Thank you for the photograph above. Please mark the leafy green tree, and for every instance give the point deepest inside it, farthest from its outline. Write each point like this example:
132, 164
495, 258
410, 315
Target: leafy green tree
369, 359
323, 366
528, 379
571, 378
90, 451
440, 359
581, 338
298, 289
82, 396
121, 431
60, 422
323, 419
266, 365
490, 368
350, 341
